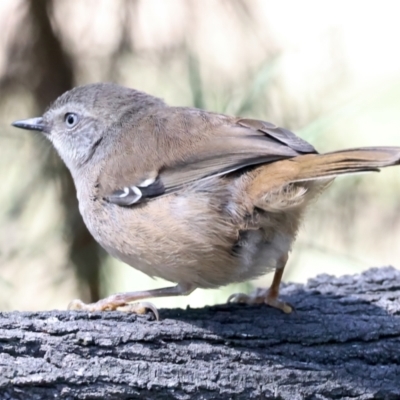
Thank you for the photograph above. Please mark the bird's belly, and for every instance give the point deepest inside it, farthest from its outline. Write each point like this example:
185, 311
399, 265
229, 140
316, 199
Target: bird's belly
177, 238
183, 239
255, 258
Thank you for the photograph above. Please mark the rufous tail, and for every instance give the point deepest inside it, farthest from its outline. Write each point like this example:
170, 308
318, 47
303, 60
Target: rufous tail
329, 165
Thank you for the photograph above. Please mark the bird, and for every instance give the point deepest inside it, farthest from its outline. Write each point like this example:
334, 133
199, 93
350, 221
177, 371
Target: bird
198, 198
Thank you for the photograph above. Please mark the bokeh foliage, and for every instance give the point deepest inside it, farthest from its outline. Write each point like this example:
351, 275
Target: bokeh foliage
319, 70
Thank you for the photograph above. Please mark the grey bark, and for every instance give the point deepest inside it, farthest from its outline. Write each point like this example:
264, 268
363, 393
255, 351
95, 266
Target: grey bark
343, 342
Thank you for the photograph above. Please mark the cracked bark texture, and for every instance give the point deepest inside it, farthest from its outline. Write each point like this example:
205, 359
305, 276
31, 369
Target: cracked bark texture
343, 342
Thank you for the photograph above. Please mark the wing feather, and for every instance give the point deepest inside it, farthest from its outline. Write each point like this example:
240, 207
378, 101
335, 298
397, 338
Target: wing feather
178, 146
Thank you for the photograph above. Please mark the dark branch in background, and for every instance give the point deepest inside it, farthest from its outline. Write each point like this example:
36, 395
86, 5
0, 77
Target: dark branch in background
56, 78
343, 342
37, 62
52, 66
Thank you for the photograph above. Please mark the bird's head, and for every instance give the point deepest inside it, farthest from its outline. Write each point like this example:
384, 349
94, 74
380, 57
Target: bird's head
78, 121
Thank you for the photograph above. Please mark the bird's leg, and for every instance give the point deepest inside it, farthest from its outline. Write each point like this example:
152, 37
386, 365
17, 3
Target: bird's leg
121, 301
267, 296
271, 297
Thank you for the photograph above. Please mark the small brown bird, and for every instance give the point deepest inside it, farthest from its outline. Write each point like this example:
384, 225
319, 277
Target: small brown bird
193, 197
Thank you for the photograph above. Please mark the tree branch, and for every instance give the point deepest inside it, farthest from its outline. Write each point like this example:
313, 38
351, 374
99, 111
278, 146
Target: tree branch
342, 342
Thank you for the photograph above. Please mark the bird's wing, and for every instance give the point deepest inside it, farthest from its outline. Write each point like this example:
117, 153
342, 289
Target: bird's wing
174, 147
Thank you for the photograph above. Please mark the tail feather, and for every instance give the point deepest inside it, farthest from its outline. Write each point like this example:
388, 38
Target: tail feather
330, 165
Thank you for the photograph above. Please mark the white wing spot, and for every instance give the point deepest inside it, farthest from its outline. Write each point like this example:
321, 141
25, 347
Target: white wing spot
126, 192
138, 193
147, 182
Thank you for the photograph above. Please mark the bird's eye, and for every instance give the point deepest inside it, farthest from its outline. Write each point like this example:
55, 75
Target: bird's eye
71, 120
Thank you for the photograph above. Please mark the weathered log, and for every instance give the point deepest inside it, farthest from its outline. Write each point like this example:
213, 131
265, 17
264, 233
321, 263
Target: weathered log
342, 342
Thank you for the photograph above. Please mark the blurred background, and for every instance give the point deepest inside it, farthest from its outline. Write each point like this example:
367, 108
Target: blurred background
330, 71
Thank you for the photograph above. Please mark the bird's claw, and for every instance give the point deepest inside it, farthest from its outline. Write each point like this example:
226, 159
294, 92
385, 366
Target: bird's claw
258, 297
137, 308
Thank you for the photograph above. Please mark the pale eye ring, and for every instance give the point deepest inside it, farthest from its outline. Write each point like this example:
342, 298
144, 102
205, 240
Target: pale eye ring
71, 119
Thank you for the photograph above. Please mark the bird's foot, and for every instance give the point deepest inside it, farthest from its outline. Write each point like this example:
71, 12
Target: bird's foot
102, 305
261, 296
128, 301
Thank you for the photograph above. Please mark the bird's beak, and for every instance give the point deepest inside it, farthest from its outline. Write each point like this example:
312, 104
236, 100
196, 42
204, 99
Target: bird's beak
33, 124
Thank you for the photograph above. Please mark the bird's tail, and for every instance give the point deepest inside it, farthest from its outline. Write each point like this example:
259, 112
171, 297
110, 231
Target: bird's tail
271, 178
330, 165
